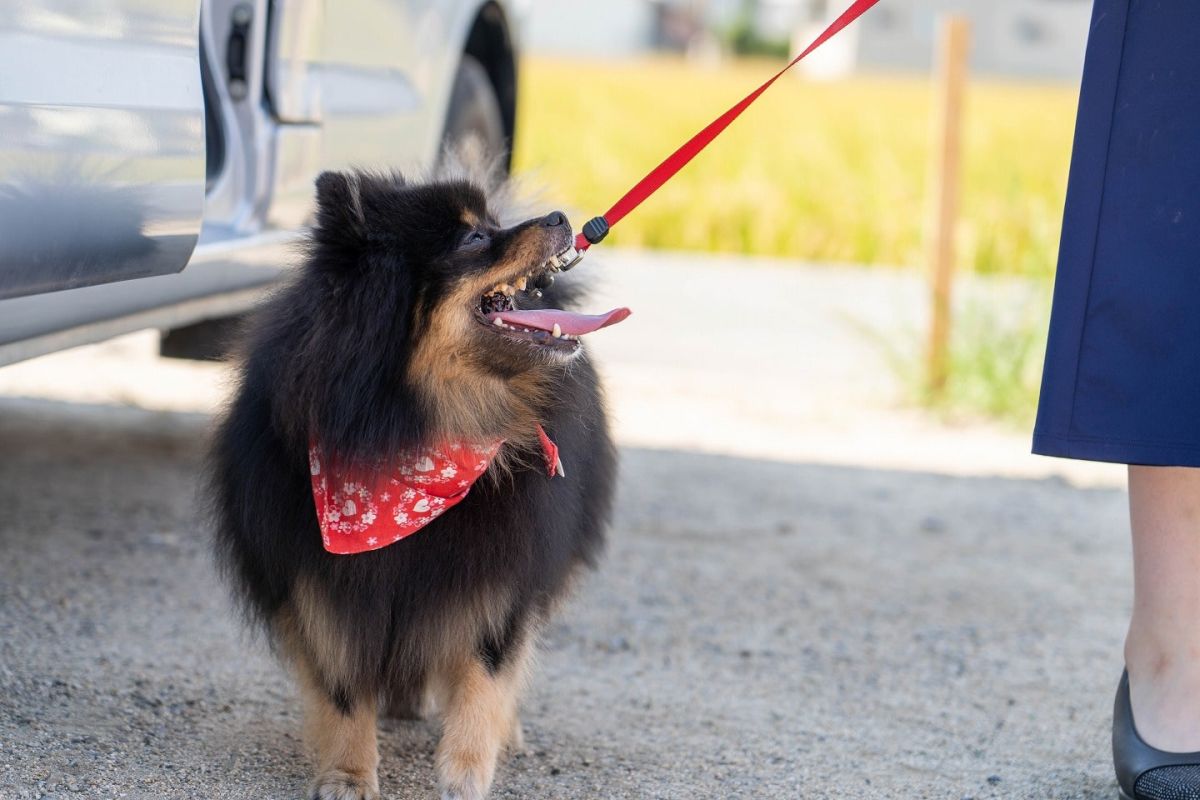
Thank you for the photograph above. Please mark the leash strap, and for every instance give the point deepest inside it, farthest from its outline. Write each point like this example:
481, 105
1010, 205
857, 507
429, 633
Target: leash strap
598, 227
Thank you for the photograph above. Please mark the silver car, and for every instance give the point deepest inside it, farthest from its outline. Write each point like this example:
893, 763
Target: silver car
140, 137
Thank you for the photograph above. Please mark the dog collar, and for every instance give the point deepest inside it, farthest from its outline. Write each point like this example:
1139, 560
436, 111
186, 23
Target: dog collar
365, 508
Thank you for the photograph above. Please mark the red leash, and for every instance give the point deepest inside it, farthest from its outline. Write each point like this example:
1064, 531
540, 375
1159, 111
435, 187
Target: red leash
597, 228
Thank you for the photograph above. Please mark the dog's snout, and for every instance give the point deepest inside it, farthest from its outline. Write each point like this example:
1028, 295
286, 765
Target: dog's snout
554, 219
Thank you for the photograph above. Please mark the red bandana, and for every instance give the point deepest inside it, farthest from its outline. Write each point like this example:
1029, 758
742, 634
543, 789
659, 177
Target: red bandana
366, 509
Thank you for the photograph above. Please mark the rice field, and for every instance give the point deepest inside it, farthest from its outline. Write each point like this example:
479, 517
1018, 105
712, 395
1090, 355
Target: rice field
818, 171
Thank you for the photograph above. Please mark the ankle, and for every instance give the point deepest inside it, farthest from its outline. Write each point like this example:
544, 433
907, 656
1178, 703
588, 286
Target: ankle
1155, 653
1164, 688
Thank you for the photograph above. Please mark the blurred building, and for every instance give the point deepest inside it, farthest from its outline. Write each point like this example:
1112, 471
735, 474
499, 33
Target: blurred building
615, 28
1017, 38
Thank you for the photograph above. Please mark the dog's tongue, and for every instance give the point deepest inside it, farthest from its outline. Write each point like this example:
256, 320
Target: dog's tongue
568, 322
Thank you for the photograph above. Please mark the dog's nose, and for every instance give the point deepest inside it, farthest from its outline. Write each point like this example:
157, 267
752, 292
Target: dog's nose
554, 219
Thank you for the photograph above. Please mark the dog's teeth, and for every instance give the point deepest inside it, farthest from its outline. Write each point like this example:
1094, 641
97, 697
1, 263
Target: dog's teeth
522, 283
499, 323
556, 332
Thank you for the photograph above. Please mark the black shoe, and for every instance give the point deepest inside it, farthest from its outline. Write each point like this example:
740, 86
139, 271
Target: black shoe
1143, 772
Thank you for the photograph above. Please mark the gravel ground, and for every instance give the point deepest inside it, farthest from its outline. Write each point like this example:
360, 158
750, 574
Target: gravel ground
935, 615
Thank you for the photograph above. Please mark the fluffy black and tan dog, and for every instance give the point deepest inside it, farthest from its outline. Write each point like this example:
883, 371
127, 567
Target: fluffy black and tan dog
416, 319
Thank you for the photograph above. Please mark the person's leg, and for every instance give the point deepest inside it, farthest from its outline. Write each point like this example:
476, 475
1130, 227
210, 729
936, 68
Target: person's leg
1162, 649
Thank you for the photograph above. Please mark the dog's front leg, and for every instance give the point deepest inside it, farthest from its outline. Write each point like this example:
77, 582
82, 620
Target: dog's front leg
341, 733
480, 719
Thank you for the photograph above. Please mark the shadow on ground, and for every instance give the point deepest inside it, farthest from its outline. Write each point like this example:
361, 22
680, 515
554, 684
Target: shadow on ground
759, 629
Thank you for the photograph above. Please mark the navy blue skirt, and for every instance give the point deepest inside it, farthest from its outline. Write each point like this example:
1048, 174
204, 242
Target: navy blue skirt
1122, 374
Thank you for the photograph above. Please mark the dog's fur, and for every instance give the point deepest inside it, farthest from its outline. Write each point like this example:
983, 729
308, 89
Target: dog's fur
372, 349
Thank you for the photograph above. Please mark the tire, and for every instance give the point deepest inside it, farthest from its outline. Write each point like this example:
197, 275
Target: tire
475, 123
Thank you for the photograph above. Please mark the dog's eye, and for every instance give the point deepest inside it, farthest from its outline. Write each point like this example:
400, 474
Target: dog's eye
474, 238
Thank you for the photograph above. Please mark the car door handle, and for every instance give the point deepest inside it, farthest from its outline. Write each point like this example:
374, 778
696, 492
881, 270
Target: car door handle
235, 49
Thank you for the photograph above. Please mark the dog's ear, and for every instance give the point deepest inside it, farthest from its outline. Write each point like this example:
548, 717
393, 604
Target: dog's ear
340, 218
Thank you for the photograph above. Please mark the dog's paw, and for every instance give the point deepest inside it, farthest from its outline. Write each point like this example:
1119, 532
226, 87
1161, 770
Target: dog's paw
337, 785
464, 792
465, 782
466, 778
516, 738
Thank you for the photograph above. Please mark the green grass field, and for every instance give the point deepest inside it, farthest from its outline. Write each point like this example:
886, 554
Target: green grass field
815, 171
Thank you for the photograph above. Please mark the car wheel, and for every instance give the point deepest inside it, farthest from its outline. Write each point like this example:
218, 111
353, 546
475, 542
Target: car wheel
474, 124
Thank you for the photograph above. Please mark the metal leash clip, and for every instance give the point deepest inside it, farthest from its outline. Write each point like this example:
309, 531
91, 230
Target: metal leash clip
567, 259
594, 230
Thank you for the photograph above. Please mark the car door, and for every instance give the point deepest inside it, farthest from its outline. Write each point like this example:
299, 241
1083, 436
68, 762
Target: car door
374, 74
101, 141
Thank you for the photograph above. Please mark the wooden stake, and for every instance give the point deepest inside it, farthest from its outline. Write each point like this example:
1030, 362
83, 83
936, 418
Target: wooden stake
950, 84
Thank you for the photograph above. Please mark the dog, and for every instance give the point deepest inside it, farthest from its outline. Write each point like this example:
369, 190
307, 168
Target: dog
413, 468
